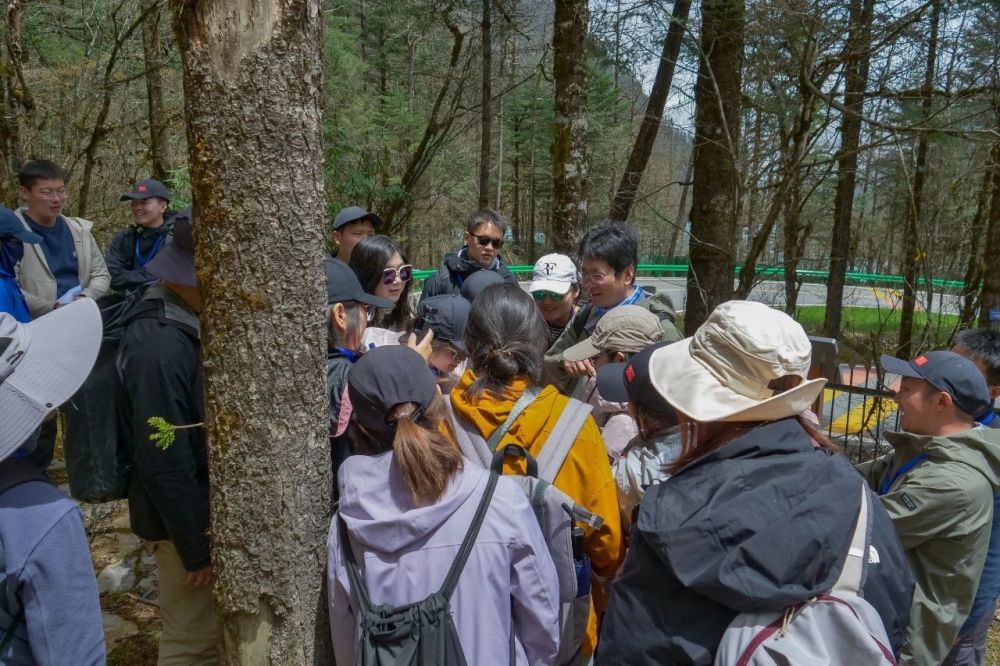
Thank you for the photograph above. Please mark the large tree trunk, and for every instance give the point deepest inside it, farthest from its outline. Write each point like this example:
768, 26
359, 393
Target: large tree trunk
152, 55
646, 138
989, 299
977, 231
715, 198
569, 134
486, 128
857, 59
252, 89
911, 245
16, 105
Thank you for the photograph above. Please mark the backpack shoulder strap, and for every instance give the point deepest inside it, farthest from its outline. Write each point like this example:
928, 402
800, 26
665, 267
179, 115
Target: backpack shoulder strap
359, 593
451, 580
580, 320
13, 472
561, 439
472, 444
852, 573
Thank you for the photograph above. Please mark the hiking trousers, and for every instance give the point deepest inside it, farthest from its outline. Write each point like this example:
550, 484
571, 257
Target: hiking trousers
189, 636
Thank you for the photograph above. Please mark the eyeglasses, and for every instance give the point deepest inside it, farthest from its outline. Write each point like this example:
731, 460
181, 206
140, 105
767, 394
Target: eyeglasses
404, 273
457, 355
594, 278
486, 240
53, 195
551, 295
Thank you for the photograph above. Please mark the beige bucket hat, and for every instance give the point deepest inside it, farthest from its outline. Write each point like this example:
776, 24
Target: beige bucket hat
626, 328
722, 372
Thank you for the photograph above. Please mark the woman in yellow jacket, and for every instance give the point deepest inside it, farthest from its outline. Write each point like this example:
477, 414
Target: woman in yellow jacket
506, 338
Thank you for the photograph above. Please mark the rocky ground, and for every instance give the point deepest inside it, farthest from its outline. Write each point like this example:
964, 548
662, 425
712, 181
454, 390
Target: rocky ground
126, 578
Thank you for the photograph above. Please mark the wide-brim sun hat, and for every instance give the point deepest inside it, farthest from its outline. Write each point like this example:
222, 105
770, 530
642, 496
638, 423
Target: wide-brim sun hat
722, 372
42, 364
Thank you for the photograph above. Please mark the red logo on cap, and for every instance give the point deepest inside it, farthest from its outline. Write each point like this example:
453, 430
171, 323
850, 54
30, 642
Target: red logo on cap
920, 360
629, 373
141, 188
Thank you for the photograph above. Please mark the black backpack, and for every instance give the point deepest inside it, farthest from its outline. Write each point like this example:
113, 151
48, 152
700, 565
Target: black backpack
13, 472
98, 431
418, 634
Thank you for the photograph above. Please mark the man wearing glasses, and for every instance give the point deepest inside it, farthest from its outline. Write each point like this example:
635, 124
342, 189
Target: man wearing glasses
483, 240
67, 264
609, 255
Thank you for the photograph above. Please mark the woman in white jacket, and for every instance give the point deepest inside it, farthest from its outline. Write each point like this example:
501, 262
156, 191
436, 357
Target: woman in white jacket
407, 506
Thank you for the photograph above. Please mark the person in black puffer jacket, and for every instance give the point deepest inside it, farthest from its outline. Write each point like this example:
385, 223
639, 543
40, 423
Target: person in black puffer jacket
483, 239
760, 510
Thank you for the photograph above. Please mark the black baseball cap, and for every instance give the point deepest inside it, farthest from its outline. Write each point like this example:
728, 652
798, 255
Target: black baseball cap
11, 225
477, 282
631, 381
147, 189
342, 285
384, 378
446, 315
354, 214
949, 372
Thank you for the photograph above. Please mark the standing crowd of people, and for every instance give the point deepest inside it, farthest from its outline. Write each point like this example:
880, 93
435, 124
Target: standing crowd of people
539, 475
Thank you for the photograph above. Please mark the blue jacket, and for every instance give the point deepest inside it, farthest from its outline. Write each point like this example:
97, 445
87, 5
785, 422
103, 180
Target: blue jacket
989, 583
11, 298
47, 556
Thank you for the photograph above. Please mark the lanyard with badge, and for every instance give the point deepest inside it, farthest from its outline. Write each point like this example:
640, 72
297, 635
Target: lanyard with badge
887, 481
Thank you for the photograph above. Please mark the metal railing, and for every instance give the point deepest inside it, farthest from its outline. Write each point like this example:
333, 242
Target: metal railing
764, 272
857, 415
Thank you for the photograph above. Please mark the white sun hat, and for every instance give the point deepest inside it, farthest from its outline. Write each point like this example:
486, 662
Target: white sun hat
722, 372
42, 364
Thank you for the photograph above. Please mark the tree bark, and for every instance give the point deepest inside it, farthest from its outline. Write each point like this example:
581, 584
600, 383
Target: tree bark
857, 59
569, 132
989, 299
681, 221
911, 246
16, 105
486, 129
152, 55
252, 89
715, 198
977, 230
624, 197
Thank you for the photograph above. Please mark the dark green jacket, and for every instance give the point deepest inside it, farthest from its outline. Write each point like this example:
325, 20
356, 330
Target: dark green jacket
658, 303
943, 510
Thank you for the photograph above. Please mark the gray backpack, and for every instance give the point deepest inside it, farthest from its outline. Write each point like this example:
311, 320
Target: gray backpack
417, 634
835, 628
559, 517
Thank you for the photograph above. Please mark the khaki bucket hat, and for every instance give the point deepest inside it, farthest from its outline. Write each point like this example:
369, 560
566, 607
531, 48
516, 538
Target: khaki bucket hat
722, 372
626, 328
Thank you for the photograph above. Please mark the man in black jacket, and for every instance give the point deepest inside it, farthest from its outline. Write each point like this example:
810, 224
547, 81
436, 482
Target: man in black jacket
160, 363
132, 250
483, 240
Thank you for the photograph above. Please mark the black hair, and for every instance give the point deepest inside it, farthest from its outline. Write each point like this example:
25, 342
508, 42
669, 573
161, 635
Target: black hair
984, 345
615, 242
355, 313
368, 260
35, 170
485, 216
506, 338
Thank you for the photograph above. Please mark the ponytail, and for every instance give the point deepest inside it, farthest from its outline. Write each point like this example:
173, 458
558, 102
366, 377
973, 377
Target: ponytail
427, 458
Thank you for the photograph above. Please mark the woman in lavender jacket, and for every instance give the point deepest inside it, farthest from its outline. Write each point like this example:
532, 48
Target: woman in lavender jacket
408, 505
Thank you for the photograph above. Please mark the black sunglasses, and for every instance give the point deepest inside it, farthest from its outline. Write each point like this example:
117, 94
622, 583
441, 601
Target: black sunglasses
404, 273
486, 240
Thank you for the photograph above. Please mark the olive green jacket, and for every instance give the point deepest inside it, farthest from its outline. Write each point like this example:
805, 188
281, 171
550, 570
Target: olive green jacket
658, 303
943, 509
